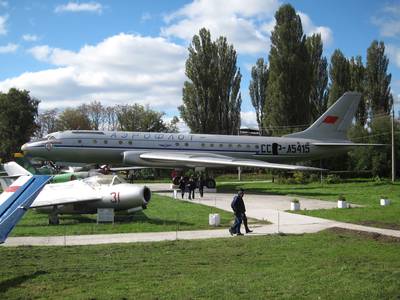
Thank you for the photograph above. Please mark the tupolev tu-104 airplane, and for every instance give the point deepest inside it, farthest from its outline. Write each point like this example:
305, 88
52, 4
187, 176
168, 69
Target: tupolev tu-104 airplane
325, 137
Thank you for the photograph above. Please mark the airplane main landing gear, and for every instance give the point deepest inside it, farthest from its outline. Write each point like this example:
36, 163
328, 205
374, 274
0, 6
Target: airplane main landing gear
53, 217
210, 183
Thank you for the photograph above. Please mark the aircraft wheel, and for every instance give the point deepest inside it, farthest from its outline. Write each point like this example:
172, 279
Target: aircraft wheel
54, 220
210, 183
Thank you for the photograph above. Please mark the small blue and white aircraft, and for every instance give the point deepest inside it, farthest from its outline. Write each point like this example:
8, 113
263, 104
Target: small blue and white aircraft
16, 199
84, 196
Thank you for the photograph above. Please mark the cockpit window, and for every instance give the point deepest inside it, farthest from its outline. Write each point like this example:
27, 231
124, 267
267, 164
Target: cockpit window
116, 180
51, 137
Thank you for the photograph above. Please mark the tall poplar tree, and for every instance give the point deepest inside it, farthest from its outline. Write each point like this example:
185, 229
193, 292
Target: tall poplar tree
318, 94
258, 91
227, 88
289, 74
377, 80
211, 97
339, 73
357, 84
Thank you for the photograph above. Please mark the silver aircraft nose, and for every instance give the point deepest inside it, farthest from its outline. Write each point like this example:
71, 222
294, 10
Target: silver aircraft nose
24, 147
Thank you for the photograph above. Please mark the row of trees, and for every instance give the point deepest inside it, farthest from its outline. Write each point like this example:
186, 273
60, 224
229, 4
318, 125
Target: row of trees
95, 116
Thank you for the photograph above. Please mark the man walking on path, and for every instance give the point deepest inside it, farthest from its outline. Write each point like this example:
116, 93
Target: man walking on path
239, 210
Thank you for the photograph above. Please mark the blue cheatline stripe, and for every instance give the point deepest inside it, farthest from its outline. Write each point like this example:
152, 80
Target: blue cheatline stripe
13, 209
147, 148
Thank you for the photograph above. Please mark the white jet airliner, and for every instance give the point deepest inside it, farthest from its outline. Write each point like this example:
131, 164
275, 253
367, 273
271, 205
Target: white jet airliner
325, 137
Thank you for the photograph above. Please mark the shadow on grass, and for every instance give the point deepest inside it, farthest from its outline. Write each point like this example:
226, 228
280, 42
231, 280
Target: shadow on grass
16, 281
120, 218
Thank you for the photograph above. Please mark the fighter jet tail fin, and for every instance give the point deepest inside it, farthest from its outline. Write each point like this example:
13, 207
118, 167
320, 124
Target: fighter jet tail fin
333, 124
15, 170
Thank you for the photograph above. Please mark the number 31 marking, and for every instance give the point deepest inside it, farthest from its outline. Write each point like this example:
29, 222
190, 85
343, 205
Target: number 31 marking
115, 198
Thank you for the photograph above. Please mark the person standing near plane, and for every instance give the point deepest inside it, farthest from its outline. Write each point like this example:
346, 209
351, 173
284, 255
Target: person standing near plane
239, 210
192, 187
182, 185
201, 185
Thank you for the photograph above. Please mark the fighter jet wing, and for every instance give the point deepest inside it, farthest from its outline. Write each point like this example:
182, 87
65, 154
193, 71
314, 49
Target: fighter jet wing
66, 193
209, 159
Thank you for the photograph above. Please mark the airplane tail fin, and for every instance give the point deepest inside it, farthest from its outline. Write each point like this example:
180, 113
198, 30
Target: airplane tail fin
333, 124
20, 159
16, 199
15, 170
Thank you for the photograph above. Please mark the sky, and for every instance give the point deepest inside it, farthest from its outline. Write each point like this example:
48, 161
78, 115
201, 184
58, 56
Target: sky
122, 52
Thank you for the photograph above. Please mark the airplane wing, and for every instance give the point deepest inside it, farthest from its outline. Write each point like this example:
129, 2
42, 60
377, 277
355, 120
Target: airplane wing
15, 201
69, 192
208, 159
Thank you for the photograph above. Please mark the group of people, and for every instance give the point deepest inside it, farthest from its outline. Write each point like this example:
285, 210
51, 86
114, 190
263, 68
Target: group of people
190, 184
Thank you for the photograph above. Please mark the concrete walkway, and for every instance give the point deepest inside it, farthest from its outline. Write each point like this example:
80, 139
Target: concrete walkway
260, 207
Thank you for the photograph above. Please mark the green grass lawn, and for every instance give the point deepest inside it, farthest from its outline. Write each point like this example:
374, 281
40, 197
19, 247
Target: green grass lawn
326, 265
162, 214
363, 192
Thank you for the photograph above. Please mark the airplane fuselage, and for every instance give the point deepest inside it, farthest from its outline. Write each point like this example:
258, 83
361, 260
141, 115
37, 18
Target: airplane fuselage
104, 147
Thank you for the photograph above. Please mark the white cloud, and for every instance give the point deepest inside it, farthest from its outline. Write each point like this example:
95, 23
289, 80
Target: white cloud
9, 48
248, 119
3, 21
4, 4
30, 37
393, 53
80, 7
388, 21
309, 28
145, 17
242, 22
121, 69
246, 24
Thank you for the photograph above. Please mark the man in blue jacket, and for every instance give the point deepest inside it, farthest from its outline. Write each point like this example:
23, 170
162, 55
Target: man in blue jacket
240, 214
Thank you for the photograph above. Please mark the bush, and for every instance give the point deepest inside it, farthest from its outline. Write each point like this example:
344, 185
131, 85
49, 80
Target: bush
332, 178
299, 178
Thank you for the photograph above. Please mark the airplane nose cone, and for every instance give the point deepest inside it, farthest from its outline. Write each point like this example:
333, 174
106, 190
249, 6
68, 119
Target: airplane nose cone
24, 147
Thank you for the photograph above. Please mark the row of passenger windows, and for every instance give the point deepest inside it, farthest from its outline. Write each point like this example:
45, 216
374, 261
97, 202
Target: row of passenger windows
105, 142
248, 146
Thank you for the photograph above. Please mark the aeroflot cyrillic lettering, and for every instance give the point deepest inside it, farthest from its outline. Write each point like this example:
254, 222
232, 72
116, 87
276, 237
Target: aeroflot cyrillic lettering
151, 136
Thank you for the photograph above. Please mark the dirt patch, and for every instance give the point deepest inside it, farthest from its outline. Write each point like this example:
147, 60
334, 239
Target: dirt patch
380, 224
363, 234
